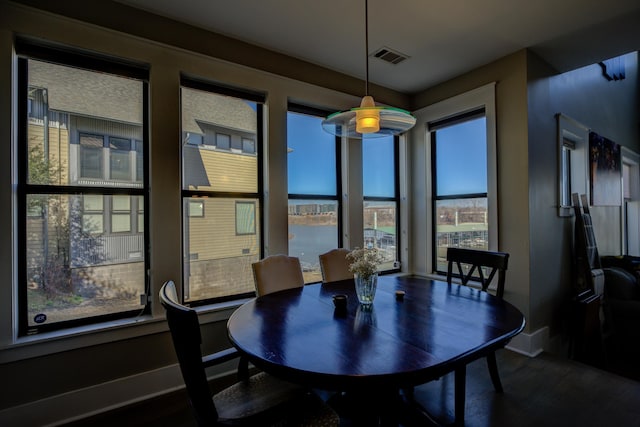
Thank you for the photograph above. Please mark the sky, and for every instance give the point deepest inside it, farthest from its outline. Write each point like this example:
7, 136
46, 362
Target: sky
311, 157
461, 155
312, 162
462, 158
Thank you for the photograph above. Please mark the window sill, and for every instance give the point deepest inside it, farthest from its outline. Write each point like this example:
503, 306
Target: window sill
457, 281
434, 276
100, 333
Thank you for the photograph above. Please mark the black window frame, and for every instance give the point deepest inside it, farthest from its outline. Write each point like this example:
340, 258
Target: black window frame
433, 128
26, 49
194, 82
396, 199
318, 112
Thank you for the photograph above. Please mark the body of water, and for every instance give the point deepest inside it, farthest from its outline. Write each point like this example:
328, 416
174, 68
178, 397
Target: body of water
309, 241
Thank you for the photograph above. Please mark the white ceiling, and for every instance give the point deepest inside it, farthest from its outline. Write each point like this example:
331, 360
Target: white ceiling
443, 39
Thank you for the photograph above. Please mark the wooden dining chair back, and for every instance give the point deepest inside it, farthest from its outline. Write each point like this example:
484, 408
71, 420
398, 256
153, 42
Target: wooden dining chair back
277, 273
185, 334
485, 265
334, 265
260, 399
482, 266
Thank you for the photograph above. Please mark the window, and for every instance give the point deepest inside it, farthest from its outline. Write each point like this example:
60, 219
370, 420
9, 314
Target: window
119, 149
221, 191
459, 160
245, 218
573, 145
139, 161
93, 214
631, 202
194, 138
461, 201
91, 156
248, 146
196, 208
313, 180
568, 147
120, 214
223, 141
119, 153
77, 171
125, 211
380, 189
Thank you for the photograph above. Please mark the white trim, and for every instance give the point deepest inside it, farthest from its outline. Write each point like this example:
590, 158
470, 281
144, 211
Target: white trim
632, 158
530, 344
352, 191
344, 194
78, 404
630, 211
576, 132
404, 204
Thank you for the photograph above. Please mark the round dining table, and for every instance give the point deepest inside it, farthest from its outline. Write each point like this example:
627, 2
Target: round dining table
404, 339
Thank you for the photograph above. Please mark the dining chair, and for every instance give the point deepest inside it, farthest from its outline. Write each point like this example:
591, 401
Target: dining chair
334, 265
256, 400
277, 273
485, 265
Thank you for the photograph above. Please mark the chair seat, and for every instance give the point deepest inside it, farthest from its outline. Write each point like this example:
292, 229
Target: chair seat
261, 394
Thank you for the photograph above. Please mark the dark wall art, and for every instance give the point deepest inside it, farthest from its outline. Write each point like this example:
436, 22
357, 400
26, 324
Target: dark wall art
606, 171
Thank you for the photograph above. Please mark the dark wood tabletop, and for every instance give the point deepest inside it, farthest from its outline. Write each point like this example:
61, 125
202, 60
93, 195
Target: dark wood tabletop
298, 335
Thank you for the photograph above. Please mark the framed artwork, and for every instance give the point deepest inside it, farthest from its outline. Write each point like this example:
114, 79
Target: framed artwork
605, 163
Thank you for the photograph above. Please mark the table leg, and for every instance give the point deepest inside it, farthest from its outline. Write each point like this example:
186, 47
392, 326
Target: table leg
383, 408
460, 385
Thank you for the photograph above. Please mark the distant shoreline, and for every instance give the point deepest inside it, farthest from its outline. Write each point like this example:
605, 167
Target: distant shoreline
324, 220
313, 220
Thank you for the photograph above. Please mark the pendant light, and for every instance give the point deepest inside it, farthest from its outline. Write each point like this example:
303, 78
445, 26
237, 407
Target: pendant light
368, 119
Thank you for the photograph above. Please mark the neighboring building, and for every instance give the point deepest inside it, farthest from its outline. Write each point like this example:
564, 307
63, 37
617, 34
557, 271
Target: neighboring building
89, 137
81, 134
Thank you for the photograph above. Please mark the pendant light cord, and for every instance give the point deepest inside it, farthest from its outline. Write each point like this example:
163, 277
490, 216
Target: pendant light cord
366, 46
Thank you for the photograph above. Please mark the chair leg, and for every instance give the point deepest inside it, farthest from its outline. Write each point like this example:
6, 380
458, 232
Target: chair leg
408, 394
493, 371
243, 369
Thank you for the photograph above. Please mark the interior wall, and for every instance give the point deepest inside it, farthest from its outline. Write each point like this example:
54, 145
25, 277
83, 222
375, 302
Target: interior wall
50, 365
509, 73
138, 23
611, 109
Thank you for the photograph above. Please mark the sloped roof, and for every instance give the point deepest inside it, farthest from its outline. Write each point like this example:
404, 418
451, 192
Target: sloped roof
217, 110
88, 93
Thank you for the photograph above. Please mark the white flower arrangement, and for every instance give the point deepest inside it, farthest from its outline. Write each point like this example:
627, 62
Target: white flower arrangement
365, 262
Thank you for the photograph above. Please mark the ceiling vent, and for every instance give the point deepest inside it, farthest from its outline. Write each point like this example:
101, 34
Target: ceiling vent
390, 55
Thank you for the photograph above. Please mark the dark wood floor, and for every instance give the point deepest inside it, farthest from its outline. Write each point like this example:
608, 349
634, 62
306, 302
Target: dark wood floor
542, 391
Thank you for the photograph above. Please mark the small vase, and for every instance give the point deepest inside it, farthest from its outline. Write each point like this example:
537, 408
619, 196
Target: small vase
366, 288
